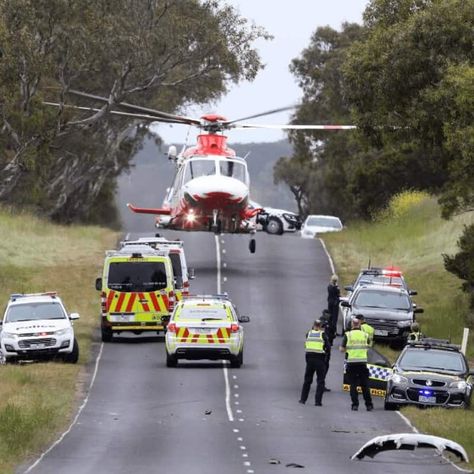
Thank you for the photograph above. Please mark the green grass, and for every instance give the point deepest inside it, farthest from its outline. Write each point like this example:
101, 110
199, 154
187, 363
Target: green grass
38, 400
416, 241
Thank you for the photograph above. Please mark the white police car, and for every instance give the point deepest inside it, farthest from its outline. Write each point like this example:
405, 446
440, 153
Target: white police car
37, 326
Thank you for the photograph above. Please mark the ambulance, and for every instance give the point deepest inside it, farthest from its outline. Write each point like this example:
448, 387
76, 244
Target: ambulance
182, 274
137, 291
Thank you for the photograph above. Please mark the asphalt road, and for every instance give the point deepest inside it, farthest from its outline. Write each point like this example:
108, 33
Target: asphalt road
205, 418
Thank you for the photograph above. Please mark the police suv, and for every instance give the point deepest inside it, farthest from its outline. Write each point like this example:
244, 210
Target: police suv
37, 326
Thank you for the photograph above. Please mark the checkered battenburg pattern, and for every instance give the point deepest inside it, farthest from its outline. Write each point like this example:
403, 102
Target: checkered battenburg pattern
377, 372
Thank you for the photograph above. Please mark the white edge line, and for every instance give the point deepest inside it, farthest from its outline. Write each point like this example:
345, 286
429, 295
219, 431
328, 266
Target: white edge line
230, 415
402, 416
74, 421
331, 263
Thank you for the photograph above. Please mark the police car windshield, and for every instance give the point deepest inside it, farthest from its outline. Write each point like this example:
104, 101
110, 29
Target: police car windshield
383, 299
137, 276
203, 313
34, 312
433, 359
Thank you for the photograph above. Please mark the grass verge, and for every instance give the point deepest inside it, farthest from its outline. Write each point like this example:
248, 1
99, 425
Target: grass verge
415, 241
37, 400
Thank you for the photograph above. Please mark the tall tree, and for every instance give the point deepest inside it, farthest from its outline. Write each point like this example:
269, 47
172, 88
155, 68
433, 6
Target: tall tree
160, 53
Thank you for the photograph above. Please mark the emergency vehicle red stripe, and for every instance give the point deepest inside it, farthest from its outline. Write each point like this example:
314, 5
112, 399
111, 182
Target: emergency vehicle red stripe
110, 297
210, 338
154, 300
219, 335
186, 333
144, 302
118, 307
195, 338
166, 301
131, 301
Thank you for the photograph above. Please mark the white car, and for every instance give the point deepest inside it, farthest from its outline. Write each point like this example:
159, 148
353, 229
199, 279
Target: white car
37, 326
276, 221
205, 327
317, 224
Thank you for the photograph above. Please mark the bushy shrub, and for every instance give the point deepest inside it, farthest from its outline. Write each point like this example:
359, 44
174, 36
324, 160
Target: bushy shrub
400, 204
462, 263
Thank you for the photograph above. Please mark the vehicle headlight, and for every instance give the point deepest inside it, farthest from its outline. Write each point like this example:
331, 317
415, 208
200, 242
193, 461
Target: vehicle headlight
405, 324
459, 384
396, 378
9, 335
62, 332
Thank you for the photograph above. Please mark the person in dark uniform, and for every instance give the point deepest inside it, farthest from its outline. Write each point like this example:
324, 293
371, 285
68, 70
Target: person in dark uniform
355, 344
334, 296
316, 349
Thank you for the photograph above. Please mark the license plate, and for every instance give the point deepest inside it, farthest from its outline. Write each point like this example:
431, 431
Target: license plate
425, 399
122, 318
203, 331
37, 346
380, 332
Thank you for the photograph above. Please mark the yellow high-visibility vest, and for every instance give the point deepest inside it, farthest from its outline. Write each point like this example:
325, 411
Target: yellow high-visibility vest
315, 342
357, 345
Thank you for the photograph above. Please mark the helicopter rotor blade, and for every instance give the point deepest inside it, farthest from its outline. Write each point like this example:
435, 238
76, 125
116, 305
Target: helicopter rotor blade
150, 118
160, 116
262, 114
295, 127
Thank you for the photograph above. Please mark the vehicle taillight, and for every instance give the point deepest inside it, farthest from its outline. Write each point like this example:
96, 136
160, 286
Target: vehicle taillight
234, 328
171, 301
171, 327
103, 303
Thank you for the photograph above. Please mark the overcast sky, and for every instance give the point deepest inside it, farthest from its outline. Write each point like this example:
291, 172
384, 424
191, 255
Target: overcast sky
292, 24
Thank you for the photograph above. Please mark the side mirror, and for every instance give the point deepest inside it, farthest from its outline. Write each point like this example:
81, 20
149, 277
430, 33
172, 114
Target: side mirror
244, 319
74, 316
349, 288
191, 274
419, 310
345, 304
98, 284
413, 292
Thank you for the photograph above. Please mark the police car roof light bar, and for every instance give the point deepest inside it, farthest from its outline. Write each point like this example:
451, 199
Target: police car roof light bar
53, 294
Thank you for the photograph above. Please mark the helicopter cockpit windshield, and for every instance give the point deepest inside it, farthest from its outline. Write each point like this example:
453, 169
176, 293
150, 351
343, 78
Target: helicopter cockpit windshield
198, 167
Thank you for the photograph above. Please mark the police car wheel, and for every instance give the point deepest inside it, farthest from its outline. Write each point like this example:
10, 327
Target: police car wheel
274, 226
107, 335
171, 360
73, 357
390, 406
237, 361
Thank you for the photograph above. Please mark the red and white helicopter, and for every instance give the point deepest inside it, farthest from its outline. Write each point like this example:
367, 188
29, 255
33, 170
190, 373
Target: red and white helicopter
210, 191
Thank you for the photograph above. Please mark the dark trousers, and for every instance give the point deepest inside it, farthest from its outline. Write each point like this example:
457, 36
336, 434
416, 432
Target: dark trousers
314, 363
358, 375
333, 309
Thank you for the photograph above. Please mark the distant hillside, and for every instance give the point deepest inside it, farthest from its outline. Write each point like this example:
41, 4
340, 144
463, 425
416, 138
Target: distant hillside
145, 185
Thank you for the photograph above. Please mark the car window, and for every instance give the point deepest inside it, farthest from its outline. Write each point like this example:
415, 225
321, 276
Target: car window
35, 312
380, 280
137, 276
420, 359
204, 311
331, 222
177, 269
382, 299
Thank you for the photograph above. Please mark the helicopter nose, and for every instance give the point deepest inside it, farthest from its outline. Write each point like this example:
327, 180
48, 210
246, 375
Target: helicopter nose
212, 188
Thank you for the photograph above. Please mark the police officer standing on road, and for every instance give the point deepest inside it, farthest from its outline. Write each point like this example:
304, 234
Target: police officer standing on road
316, 347
367, 328
355, 345
334, 296
415, 335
